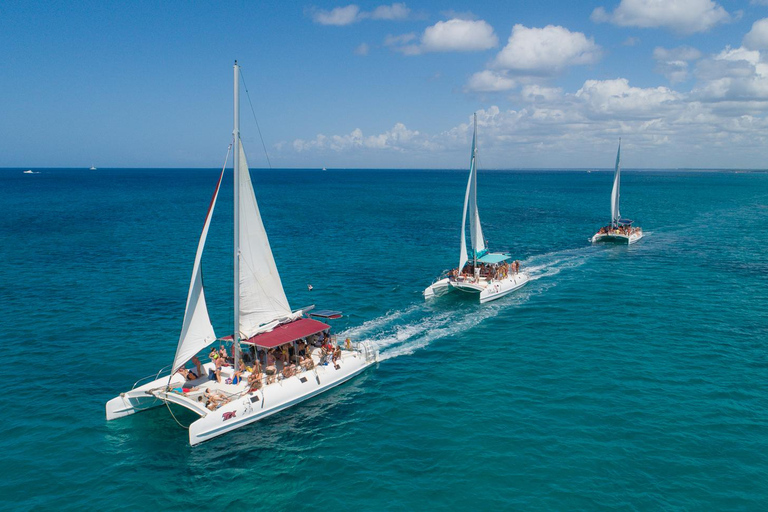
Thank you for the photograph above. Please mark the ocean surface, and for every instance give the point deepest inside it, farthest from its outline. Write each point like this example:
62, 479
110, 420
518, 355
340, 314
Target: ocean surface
631, 378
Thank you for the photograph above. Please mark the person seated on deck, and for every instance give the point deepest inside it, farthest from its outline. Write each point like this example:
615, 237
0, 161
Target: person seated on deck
271, 369
187, 374
254, 381
336, 353
238, 375
306, 362
289, 370
348, 344
301, 349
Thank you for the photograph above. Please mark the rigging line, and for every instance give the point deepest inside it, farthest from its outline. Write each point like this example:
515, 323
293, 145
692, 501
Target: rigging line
248, 95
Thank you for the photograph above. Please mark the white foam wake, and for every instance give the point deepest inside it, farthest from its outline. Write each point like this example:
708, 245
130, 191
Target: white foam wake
404, 331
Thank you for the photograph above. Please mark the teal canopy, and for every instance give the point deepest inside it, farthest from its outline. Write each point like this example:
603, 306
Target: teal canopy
493, 257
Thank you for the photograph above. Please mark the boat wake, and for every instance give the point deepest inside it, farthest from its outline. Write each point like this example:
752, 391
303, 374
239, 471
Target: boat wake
402, 332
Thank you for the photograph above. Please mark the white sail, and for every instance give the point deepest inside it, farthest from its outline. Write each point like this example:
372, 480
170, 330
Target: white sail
470, 205
262, 299
616, 192
463, 252
475, 230
196, 330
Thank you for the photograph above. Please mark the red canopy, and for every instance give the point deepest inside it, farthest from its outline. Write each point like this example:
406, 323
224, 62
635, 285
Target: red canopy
287, 333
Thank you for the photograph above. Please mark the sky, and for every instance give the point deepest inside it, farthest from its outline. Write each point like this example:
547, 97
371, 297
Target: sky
683, 83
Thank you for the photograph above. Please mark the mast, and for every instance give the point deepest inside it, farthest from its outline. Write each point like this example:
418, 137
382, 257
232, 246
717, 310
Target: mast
236, 180
474, 190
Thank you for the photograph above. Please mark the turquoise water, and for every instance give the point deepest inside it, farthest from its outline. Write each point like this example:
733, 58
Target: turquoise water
620, 377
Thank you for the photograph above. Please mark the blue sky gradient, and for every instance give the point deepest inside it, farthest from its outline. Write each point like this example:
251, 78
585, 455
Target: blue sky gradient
386, 85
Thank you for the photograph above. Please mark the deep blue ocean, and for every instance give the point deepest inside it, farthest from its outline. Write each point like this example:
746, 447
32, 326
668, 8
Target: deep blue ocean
631, 378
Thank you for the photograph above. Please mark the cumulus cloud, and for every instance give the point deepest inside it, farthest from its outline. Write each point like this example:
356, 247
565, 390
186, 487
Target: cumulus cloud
734, 74
757, 38
399, 139
454, 35
490, 81
362, 49
349, 14
681, 16
338, 16
545, 51
673, 62
615, 98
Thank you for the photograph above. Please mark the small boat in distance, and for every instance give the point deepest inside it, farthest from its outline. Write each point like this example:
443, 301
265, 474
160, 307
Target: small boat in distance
298, 356
619, 230
92, 168
30, 171
488, 275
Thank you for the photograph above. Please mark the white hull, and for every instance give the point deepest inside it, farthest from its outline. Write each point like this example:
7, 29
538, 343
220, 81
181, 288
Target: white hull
485, 289
244, 408
617, 238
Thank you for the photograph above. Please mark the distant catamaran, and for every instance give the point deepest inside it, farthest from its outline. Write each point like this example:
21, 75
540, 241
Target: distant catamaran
619, 230
93, 168
488, 275
298, 356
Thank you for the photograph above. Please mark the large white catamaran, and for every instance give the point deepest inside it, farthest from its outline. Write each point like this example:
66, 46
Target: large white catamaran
489, 275
619, 230
279, 357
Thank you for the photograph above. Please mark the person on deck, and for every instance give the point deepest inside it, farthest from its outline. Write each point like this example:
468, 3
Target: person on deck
271, 368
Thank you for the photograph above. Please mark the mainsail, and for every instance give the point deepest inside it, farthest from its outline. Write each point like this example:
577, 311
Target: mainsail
470, 203
616, 192
262, 299
196, 330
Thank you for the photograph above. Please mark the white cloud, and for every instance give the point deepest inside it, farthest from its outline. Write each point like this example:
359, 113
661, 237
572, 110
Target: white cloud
616, 99
682, 16
390, 12
349, 14
490, 81
673, 62
533, 93
545, 51
398, 139
733, 75
454, 35
757, 38
338, 16
398, 40
362, 49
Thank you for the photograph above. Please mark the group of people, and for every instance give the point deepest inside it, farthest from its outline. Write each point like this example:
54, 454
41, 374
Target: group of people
284, 361
489, 271
621, 230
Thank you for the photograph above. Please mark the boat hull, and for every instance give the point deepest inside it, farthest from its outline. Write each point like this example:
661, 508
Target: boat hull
617, 238
485, 291
272, 399
245, 408
437, 289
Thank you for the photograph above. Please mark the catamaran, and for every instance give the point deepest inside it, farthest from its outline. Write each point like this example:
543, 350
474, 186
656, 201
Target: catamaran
619, 230
489, 275
279, 356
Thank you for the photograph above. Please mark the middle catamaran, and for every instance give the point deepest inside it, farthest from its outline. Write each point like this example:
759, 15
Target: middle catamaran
489, 275
288, 356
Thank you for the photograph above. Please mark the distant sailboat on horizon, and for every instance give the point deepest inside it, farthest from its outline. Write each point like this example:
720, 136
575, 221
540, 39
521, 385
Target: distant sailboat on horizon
93, 168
